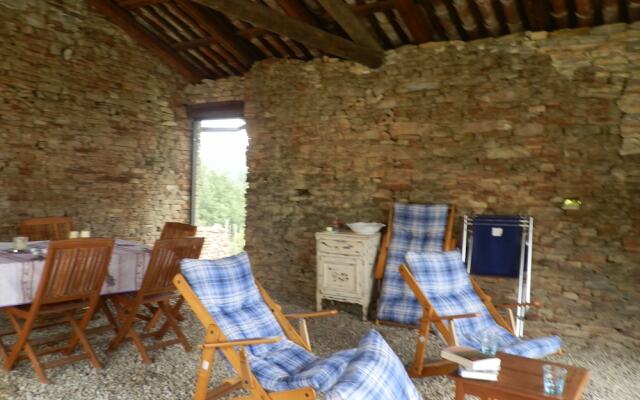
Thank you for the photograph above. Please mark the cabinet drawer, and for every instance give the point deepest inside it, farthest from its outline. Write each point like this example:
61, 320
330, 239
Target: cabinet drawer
340, 275
340, 246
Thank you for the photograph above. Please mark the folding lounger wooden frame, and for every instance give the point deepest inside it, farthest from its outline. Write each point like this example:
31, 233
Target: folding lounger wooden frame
430, 316
216, 340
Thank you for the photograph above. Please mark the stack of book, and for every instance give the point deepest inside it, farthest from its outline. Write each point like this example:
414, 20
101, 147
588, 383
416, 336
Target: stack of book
473, 363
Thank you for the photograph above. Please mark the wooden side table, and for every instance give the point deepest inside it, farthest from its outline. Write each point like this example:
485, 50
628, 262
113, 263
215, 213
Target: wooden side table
521, 379
345, 263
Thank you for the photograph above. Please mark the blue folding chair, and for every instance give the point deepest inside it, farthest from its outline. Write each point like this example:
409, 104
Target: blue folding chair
272, 360
460, 310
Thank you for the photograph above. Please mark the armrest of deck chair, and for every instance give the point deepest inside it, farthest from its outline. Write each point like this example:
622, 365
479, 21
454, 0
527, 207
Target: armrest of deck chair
302, 322
510, 306
240, 342
535, 304
450, 318
311, 314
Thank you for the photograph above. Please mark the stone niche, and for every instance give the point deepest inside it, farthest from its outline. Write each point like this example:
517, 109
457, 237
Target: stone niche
511, 126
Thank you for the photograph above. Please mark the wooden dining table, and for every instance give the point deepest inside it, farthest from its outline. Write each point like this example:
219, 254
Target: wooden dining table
20, 272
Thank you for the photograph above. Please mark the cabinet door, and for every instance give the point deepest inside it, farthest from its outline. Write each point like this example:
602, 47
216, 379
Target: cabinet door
339, 275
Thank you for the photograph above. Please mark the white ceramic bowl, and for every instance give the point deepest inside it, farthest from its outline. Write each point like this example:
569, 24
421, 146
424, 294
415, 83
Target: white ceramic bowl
365, 228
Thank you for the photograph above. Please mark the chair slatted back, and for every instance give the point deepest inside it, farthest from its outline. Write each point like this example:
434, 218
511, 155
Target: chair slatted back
75, 269
165, 263
47, 228
176, 230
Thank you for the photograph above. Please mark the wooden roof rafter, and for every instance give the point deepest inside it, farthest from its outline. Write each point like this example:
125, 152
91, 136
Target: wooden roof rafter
125, 21
271, 20
220, 38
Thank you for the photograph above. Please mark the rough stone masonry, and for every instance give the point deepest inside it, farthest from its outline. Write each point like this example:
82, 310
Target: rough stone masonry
93, 126
510, 126
89, 126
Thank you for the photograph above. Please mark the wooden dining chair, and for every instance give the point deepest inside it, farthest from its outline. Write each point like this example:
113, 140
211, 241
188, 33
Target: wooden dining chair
173, 230
73, 275
155, 293
47, 228
176, 230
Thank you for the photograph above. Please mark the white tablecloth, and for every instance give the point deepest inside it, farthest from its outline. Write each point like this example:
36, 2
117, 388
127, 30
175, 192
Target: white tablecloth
20, 273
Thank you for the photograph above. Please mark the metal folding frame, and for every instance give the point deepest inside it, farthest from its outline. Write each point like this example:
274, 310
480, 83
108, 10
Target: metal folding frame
526, 256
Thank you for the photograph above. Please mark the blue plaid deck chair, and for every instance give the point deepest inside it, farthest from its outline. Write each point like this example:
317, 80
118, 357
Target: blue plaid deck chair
447, 294
271, 359
410, 227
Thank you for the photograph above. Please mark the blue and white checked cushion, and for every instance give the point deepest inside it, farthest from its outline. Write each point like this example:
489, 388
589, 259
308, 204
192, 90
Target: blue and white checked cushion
417, 228
444, 280
227, 289
375, 372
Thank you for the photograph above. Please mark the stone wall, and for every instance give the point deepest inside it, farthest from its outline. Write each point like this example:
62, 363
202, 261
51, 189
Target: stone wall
510, 126
89, 126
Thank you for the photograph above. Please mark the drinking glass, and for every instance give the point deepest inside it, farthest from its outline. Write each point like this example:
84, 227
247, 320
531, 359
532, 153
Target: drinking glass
553, 378
20, 242
488, 343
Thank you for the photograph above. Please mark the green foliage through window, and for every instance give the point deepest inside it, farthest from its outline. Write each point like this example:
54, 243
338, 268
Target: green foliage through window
220, 198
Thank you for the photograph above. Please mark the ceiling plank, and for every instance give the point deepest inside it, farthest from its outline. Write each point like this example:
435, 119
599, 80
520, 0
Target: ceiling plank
512, 16
537, 14
415, 19
127, 23
584, 13
224, 36
306, 34
466, 18
445, 19
138, 3
634, 10
351, 23
489, 17
610, 11
560, 13
192, 44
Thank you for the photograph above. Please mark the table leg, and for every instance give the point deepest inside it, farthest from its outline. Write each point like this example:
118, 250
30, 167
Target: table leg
459, 390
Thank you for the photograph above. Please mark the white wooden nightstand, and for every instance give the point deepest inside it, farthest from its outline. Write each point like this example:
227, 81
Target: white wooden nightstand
345, 263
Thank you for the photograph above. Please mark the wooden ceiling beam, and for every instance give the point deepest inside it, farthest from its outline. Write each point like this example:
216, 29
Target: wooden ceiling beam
295, 8
560, 14
226, 38
351, 23
272, 20
128, 24
584, 13
415, 19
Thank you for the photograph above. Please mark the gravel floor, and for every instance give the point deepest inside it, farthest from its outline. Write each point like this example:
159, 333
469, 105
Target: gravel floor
615, 368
